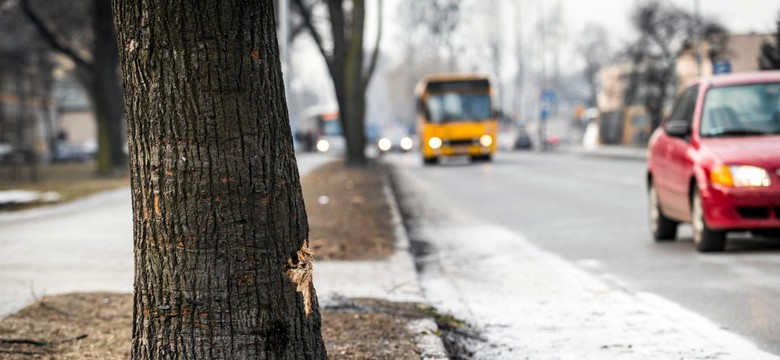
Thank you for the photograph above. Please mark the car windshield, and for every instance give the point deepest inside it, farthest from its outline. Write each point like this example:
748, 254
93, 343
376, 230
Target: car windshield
452, 107
744, 110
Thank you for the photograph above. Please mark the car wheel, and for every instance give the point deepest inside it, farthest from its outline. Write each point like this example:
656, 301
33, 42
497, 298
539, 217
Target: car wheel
706, 239
662, 228
433, 160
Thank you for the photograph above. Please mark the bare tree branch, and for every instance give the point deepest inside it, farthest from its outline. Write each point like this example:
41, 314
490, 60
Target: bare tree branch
308, 23
49, 36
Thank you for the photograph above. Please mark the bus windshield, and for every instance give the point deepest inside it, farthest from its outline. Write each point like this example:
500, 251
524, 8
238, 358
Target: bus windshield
331, 127
454, 107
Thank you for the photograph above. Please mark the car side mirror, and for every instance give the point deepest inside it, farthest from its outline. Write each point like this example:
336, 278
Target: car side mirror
678, 128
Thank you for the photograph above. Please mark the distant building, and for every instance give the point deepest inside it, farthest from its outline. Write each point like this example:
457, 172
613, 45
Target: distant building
739, 53
619, 122
628, 123
75, 118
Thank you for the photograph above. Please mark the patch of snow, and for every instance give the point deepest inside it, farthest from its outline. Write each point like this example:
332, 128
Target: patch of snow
533, 304
18, 196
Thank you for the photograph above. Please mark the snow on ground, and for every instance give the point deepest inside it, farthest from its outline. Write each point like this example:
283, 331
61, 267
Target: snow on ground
531, 304
25, 196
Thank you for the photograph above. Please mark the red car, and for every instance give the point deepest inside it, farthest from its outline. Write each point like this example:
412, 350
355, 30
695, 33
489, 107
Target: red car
715, 161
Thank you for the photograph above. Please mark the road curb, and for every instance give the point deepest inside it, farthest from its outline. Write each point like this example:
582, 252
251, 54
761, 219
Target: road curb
425, 329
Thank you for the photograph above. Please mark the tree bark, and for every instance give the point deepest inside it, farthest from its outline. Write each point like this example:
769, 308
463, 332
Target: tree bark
222, 264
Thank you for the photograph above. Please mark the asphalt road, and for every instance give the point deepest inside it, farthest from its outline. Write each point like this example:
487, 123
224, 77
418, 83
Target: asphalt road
592, 212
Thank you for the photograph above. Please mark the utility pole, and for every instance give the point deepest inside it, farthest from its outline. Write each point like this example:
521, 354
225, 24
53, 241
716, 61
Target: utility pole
697, 36
518, 108
543, 111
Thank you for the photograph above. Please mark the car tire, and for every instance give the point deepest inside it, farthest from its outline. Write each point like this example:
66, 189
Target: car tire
706, 239
662, 227
433, 160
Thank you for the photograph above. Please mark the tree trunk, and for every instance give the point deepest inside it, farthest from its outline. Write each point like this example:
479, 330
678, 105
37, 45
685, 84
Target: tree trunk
106, 94
354, 93
223, 269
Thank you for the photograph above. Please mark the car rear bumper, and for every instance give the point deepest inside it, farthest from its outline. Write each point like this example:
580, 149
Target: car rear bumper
742, 208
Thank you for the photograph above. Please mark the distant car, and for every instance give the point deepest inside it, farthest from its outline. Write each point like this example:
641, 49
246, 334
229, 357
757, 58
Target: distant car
523, 140
65, 152
395, 140
6, 150
715, 161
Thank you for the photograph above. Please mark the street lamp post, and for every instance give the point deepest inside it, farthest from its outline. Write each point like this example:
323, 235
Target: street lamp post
697, 36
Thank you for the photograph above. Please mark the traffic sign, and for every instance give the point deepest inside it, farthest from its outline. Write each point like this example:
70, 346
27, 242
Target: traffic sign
721, 67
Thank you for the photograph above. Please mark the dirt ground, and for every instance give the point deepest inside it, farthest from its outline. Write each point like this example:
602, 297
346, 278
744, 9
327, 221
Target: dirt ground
349, 217
98, 326
354, 223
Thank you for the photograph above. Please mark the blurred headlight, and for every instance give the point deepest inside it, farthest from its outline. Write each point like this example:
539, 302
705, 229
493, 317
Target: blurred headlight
434, 143
322, 145
486, 140
384, 144
740, 176
407, 143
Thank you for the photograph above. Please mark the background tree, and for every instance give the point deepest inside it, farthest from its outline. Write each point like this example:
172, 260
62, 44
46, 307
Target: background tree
664, 30
222, 264
344, 56
770, 55
593, 46
26, 69
83, 32
427, 47
432, 25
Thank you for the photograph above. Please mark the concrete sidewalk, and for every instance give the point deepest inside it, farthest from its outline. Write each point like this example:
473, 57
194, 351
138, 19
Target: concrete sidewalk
85, 245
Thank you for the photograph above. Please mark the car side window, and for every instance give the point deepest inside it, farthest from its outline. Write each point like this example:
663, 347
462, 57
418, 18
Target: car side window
685, 106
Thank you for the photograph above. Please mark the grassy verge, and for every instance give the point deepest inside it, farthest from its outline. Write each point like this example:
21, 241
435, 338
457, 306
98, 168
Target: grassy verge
70, 181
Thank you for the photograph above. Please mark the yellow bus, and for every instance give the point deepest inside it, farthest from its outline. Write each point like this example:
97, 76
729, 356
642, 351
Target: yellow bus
455, 117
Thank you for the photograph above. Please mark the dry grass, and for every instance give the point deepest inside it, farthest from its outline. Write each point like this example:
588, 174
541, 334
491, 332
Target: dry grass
368, 329
71, 181
104, 318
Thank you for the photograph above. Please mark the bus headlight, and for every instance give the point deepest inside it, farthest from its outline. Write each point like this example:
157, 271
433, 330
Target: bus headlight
486, 140
407, 143
384, 144
434, 143
322, 145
